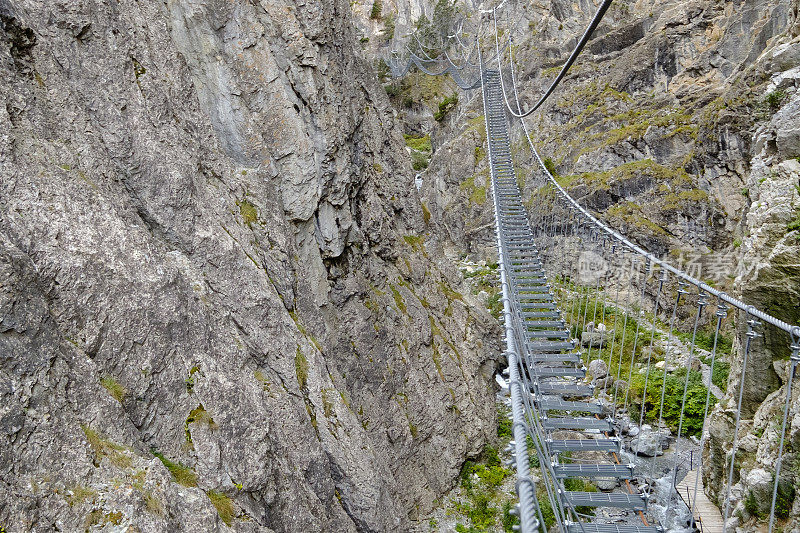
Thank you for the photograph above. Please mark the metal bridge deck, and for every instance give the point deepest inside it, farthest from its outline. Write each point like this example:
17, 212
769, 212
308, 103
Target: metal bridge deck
551, 364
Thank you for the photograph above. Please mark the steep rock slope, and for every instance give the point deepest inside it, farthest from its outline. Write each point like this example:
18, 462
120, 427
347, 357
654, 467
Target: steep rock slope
212, 251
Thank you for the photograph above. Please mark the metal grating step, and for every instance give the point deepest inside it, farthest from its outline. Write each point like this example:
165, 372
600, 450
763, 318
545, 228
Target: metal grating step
533, 287
590, 470
581, 423
544, 323
583, 445
572, 527
547, 334
541, 314
565, 389
557, 372
530, 307
549, 346
541, 297
607, 499
555, 358
557, 404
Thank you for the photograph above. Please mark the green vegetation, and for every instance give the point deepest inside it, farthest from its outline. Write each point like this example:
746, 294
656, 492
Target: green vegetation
80, 494
104, 447
224, 505
486, 279
421, 150
398, 300
631, 215
181, 473
114, 388
261, 377
138, 69
637, 121
449, 293
377, 8
722, 370
419, 161
302, 329
592, 92
190, 381
480, 481
476, 194
575, 305
445, 106
783, 502
580, 485
775, 99
248, 211
551, 167
784, 499
504, 425
388, 28
626, 172
794, 225
680, 199
153, 504
597, 123
301, 368
495, 304
417, 242
97, 517
421, 143
673, 398
705, 339
547, 510
509, 520
199, 415
486, 505
751, 505
426, 214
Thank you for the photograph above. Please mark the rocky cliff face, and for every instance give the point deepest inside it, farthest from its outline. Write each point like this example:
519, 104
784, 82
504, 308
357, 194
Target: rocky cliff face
212, 251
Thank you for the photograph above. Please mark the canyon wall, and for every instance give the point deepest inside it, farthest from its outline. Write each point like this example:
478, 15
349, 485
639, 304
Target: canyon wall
221, 304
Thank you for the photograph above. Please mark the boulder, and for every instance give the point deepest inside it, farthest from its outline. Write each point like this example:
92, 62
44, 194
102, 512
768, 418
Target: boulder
647, 443
598, 369
603, 383
595, 339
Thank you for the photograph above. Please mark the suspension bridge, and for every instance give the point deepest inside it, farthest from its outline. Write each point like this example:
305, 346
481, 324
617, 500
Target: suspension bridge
565, 428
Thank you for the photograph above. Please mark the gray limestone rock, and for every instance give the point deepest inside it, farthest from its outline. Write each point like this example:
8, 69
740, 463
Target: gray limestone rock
598, 369
211, 249
647, 442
